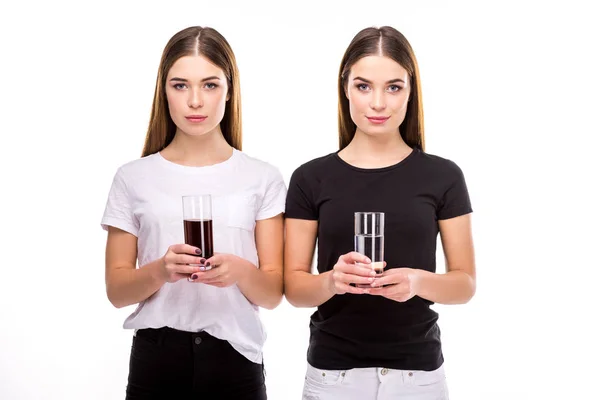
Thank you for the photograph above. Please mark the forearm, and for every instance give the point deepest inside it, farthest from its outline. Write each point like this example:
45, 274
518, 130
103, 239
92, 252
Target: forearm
261, 287
303, 289
126, 286
453, 287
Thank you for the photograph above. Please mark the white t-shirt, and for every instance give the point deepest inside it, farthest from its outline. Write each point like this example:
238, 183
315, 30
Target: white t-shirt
145, 200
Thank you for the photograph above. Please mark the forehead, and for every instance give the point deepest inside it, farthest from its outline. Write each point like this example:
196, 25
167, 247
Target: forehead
194, 68
376, 68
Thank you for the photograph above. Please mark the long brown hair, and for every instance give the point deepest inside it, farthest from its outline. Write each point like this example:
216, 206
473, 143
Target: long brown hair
209, 43
388, 42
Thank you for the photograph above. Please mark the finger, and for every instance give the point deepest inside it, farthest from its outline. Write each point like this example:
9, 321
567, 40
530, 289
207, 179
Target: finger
215, 260
353, 256
185, 249
354, 269
392, 279
392, 290
187, 259
183, 269
212, 274
351, 278
365, 266
179, 276
352, 289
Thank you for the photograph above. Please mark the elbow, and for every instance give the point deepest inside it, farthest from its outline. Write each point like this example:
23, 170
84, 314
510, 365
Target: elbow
273, 301
470, 292
293, 302
288, 292
272, 304
293, 299
115, 300
116, 303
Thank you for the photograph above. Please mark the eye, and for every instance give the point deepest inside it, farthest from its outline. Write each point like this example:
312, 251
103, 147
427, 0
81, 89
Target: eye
362, 87
179, 86
211, 85
395, 88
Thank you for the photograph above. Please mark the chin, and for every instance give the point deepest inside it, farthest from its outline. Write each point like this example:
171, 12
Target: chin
375, 130
195, 132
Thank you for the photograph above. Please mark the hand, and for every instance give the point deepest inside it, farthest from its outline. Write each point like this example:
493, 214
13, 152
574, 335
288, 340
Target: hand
222, 270
350, 268
403, 284
176, 262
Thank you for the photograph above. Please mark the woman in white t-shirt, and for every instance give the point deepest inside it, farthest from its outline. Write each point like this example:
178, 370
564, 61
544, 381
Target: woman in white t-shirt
198, 332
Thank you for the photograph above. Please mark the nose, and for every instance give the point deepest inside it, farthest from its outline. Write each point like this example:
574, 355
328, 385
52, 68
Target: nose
377, 100
195, 99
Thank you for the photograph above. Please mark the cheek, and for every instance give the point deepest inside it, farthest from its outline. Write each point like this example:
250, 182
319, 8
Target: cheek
399, 103
219, 103
357, 102
173, 101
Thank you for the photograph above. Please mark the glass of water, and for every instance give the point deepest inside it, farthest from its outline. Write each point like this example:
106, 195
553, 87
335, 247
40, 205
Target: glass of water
368, 238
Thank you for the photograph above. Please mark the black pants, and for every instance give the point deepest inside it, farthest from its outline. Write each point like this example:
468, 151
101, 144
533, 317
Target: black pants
170, 364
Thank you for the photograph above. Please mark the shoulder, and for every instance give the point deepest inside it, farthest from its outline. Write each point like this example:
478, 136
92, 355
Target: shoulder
132, 171
253, 164
256, 167
314, 166
438, 165
138, 166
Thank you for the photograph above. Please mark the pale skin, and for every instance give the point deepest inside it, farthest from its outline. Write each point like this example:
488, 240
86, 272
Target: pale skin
378, 86
196, 87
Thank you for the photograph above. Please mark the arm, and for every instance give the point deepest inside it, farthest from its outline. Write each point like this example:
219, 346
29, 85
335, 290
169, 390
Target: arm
126, 285
262, 286
304, 289
456, 286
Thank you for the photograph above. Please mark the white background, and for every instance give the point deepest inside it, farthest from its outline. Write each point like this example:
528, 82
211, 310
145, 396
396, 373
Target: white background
510, 94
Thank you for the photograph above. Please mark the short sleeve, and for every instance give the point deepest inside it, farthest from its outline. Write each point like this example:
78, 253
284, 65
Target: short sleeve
300, 203
118, 212
455, 200
273, 202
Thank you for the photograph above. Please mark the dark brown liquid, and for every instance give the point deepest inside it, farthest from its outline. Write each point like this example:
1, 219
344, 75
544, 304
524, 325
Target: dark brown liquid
199, 233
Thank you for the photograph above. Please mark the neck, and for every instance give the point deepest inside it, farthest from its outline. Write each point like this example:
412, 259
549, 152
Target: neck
377, 145
198, 151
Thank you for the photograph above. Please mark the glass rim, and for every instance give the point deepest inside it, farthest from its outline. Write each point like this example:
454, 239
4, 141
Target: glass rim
189, 196
369, 212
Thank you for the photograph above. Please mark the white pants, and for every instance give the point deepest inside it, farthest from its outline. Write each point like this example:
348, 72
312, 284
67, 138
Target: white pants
374, 384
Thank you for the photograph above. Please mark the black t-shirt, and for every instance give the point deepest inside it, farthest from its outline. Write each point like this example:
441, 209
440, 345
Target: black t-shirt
359, 331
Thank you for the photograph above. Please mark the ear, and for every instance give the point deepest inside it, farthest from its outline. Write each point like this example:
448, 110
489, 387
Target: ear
228, 96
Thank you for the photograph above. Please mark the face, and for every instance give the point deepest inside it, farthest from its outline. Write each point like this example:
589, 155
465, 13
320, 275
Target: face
378, 91
196, 93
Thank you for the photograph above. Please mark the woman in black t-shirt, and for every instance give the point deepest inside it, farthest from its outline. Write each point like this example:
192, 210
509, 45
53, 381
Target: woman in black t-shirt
375, 336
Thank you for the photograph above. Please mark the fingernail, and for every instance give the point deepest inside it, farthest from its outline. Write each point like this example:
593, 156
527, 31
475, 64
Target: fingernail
208, 264
373, 273
367, 261
202, 261
208, 268
198, 251
194, 277
202, 268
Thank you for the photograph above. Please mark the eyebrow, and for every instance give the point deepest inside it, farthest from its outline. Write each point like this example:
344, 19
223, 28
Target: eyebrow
390, 81
175, 79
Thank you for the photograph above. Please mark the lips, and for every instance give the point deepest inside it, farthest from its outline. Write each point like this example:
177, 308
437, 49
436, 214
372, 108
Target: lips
196, 118
378, 120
